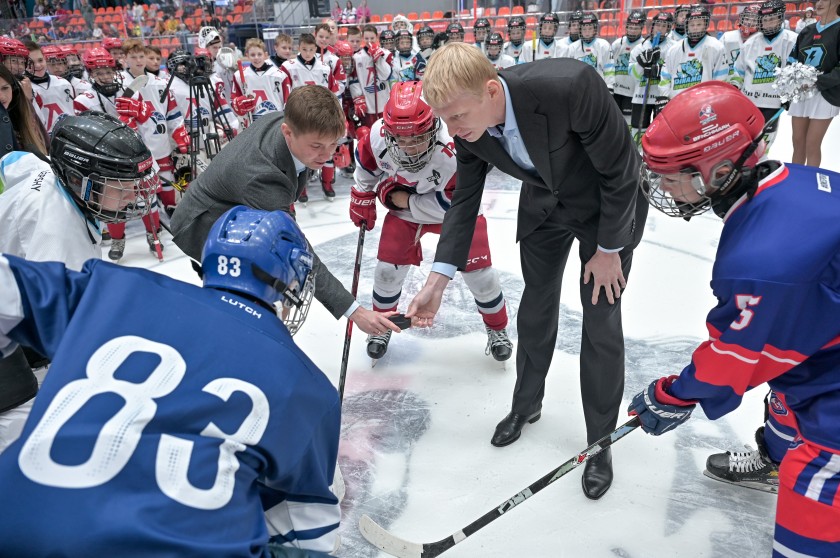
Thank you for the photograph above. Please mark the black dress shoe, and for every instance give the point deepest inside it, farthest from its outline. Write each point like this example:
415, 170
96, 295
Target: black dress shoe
508, 431
597, 475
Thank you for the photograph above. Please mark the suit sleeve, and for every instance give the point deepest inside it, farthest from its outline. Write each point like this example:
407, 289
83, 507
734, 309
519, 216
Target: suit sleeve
603, 132
459, 223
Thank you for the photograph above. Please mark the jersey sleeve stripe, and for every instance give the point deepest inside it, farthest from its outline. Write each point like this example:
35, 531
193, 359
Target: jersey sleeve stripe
11, 306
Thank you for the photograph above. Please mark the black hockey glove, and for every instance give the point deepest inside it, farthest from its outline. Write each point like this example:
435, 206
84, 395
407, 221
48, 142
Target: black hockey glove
649, 61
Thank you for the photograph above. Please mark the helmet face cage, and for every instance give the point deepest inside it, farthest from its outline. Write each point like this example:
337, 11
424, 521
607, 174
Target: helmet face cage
480, 29
404, 43
680, 17
634, 26
516, 30
56, 61
771, 18
425, 37
106, 80
116, 200
663, 23
455, 33
697, 25
414, 152
493, 46
549, 23
388, 40
589, 27
681, 194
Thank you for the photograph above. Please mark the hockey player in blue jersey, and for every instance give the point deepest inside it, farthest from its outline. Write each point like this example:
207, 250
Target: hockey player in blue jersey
147, 441
777, 280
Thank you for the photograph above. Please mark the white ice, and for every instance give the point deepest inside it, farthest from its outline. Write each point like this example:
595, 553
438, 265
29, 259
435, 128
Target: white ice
415, 448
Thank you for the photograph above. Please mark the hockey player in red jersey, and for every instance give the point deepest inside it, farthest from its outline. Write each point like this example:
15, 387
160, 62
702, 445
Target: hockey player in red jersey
777, 320
407, 161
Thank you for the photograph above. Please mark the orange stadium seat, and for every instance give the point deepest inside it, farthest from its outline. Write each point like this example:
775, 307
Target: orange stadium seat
790, 7
504, 10
489, 12
531, 21
426, 15
719, 11
375, 18
412, 16
500, 25
518, 10
388, 17
437, 15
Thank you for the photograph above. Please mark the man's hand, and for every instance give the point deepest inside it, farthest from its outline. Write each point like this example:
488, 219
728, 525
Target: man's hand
426, 303
605, 269
373, 323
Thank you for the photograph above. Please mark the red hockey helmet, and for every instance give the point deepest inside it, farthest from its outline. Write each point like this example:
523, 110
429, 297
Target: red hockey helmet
343, 48
690, 150
14, 55
748, 21
52, 51
110, 43
98, 58
410, 127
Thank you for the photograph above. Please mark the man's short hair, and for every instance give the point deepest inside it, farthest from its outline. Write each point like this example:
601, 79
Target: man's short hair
152, 48
133, 45
456, 68
315, 109
353, 30
254, 42
306, 39
370, 29
283, 38
31, 45
322, 27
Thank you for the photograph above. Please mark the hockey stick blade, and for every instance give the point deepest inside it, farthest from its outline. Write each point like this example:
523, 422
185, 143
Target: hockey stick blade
395, 546
136, 85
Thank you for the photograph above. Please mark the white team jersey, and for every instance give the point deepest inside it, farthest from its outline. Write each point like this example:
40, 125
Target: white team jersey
80, 86
480, 46
657, 88
265, 86
433, 184
225, 80
502, 61
520, 54
53, 98
402, 67
94, 100
339, 78
597, 54
39, 220
563, 47
166, 117
192, 108
757, 64
686, 66
542, 50
372, 82
731, 41
620, 50
676, 37
299, 74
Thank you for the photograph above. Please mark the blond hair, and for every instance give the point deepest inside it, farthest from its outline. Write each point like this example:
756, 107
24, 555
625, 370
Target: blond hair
315, 109
254, 42
454, 69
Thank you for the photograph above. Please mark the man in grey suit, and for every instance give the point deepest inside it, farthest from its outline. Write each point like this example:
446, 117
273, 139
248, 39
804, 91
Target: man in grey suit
266, 167
554, 125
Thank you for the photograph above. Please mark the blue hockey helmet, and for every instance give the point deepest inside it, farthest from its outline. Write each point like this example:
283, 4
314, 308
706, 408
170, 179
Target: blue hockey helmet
262, 254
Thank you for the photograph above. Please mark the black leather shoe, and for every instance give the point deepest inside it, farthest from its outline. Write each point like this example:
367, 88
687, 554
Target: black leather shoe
597, 475
509, 430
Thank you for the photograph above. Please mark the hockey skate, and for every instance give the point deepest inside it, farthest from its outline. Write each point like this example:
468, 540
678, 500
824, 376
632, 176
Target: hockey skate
347, 172
155, 245
117, 250
750, 469
329, 193
303, 197
377, 345
498, 344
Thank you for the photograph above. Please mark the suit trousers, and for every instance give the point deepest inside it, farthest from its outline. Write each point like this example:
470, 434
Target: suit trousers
543, 255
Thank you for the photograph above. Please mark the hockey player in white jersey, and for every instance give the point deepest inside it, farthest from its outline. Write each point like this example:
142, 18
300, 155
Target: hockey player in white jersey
481, 29
592, 50
574, 33
680, 15
208, 451
262, 91
546, 45
621, 50
99, 172
493, 51
425, 39
53, 94
697, 58
761, 55
733, 40
407, 161
646, 62
408, 65
75, 71
373, 68
517, 47
115, 48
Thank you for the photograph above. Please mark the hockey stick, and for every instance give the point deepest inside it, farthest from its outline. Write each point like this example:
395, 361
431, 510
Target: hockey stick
357, 268
244, 89
647, 90
402, 548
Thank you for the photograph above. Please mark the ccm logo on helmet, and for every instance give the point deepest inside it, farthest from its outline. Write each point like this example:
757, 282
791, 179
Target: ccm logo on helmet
721, 143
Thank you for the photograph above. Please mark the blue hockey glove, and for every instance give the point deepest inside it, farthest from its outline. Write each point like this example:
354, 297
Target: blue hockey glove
658, 410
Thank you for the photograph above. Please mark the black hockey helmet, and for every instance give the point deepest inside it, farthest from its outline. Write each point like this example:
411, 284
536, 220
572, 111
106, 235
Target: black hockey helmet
662, 18
547, 33
481, 23
574, 25
697, 12
104, 165
679, 22
771, 17
180, 64
455, 32
636, 18
589, 21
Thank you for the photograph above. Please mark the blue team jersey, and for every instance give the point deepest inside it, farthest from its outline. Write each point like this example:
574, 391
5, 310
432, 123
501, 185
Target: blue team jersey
169, 412
777, 280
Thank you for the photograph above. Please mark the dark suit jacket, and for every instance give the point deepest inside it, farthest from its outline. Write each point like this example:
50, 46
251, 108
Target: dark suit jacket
581, 147
256, 170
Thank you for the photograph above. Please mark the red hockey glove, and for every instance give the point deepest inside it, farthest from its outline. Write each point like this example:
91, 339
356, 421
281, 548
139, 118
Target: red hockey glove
375, 51
134, 108
182, 139
360, 105
363, 208
242, 105
128, 121
386, 188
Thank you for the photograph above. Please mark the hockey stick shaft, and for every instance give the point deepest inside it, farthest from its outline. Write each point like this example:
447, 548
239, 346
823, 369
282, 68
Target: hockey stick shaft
647, 87
401, 548
345, 354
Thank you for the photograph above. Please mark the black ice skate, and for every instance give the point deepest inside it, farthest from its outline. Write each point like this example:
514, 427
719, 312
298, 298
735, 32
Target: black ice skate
377, 345
750, 469
303, 197
329, 193
117, 250
498, 344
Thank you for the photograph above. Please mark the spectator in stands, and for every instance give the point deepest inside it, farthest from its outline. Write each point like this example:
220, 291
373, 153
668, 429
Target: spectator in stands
336, 11
348, 15
96, 32
183, 35
362, 13
806, 20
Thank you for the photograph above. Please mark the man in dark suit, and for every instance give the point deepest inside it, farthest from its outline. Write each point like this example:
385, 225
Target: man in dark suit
554, 125
266, 167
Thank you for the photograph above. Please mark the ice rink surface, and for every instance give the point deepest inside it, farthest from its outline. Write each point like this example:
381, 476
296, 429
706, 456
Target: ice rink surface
415, 449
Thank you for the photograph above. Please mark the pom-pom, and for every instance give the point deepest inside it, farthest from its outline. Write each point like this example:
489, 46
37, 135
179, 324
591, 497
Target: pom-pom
796, 82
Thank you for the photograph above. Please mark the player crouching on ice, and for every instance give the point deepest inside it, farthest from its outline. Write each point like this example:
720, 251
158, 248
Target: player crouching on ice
778, 288
408, 162
205, 452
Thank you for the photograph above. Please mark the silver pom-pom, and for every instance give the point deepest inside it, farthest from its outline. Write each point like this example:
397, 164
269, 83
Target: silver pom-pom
796, 82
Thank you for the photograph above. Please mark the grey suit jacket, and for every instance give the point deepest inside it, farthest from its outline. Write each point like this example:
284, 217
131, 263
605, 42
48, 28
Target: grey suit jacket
256, 170
584, 156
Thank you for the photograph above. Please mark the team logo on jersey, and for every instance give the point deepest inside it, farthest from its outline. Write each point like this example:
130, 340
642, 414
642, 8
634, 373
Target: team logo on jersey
690, 73
622, 64
264, 108
823, 183
203, 113
765, 68
707, 115
776, 405
591, 59
160, 122
69, 95
434, 178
